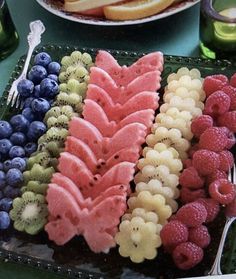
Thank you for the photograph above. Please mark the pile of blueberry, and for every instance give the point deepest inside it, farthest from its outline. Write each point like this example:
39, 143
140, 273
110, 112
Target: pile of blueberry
19, 136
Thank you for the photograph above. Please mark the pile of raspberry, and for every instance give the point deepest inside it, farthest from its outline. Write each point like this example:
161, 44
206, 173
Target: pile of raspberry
204, 183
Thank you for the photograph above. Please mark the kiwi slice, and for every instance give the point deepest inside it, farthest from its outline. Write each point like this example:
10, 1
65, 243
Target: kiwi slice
29, 213
73, 100
74, 86
55, 148
41, 158
39, 173
37, 187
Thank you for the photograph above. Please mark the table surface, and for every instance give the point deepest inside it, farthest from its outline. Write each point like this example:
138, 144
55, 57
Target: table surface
175, 35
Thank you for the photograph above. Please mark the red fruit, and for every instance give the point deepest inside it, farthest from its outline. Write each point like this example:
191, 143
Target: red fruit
188, 195
213, 139
192, 214
173, 233
205, 161
212, 208
187, 163
190, 178
213, 83
233, 80
226, 160
187, 255
228, 120
230, 136
193, 149
215, 176
217, 104
231, 92
200, 124
230, 210
222, 191
200, 236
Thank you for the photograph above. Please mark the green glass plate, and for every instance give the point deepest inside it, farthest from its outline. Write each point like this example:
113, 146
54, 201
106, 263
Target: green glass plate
75, 259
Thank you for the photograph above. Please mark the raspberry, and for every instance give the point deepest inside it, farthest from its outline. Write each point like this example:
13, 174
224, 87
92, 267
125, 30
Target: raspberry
230, 209
200, 124
216, 175
213, 83
193, 149
187, 195
231, 92
187, 255
213, 139
230, 136
200, 236
212, 208
233, 80
173, 233
192, 214
222, 191
226, 160
217, 103
228, 120
205, 161
191, 179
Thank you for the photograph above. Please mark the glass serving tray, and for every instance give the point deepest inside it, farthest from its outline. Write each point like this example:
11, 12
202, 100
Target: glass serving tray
75, 260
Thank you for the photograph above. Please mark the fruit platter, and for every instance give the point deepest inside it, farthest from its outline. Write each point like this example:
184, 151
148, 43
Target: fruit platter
116, 164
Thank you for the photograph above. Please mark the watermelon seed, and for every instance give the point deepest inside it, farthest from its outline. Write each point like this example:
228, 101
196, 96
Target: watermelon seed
116, 157
98, 166
103, 163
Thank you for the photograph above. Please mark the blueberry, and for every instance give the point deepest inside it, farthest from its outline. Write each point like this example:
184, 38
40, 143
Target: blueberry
2, 179
49, 88
19, 163
14, 177
1, 166
37, 73
5, 129
28, 114
25, 88
10, 192
4, 220
5, 146
16, 151
7, 165
37, 91
1, 195
40, 105
27, 102
30, 148
5, 204
42, 59
36, 130
19, 123
54, 68
53, 77
18, 138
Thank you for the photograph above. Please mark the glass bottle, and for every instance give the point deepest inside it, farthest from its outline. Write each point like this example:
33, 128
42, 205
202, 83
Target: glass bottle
8, 36
218, 29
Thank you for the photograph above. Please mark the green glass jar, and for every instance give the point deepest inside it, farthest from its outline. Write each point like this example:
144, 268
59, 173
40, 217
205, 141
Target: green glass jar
218, 29
8, 36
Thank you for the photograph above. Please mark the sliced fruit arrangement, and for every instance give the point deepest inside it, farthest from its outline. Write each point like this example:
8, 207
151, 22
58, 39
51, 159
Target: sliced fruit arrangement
19, 136
89, 194
153, 201
29, 212
118, 9
204, 185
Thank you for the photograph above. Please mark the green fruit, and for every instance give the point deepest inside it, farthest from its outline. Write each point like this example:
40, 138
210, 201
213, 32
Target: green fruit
29, 213
37, 187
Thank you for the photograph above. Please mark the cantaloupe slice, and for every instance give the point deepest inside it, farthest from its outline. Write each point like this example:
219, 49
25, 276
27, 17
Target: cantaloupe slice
84, 5
136, 9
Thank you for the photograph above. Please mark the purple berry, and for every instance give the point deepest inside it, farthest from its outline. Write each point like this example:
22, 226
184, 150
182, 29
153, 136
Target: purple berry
54, 68
5, 146
16, 151
2, 179
49, 88
4, 220
18, 138
18, 163
42, 59
14, 177
37, 73
5, 129
5, 204
10, 192
19, 123
30, 148
25, 88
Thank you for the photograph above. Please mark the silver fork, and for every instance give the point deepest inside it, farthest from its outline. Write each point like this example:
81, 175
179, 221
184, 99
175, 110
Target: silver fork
215, 269
34, 39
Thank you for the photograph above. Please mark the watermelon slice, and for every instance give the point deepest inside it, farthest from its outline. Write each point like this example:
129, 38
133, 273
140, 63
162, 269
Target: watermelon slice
95, 114
98, 223
100, 79
130, 135
124, 75
100, 165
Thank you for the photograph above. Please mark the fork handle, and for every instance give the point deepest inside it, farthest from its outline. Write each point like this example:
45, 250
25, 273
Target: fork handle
34, 39
216, 270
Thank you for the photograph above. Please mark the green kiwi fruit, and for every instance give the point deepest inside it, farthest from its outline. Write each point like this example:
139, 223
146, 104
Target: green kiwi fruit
37, 187
29, 213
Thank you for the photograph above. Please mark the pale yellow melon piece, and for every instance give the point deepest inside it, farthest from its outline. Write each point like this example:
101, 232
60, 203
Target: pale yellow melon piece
84, 5
136, 9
